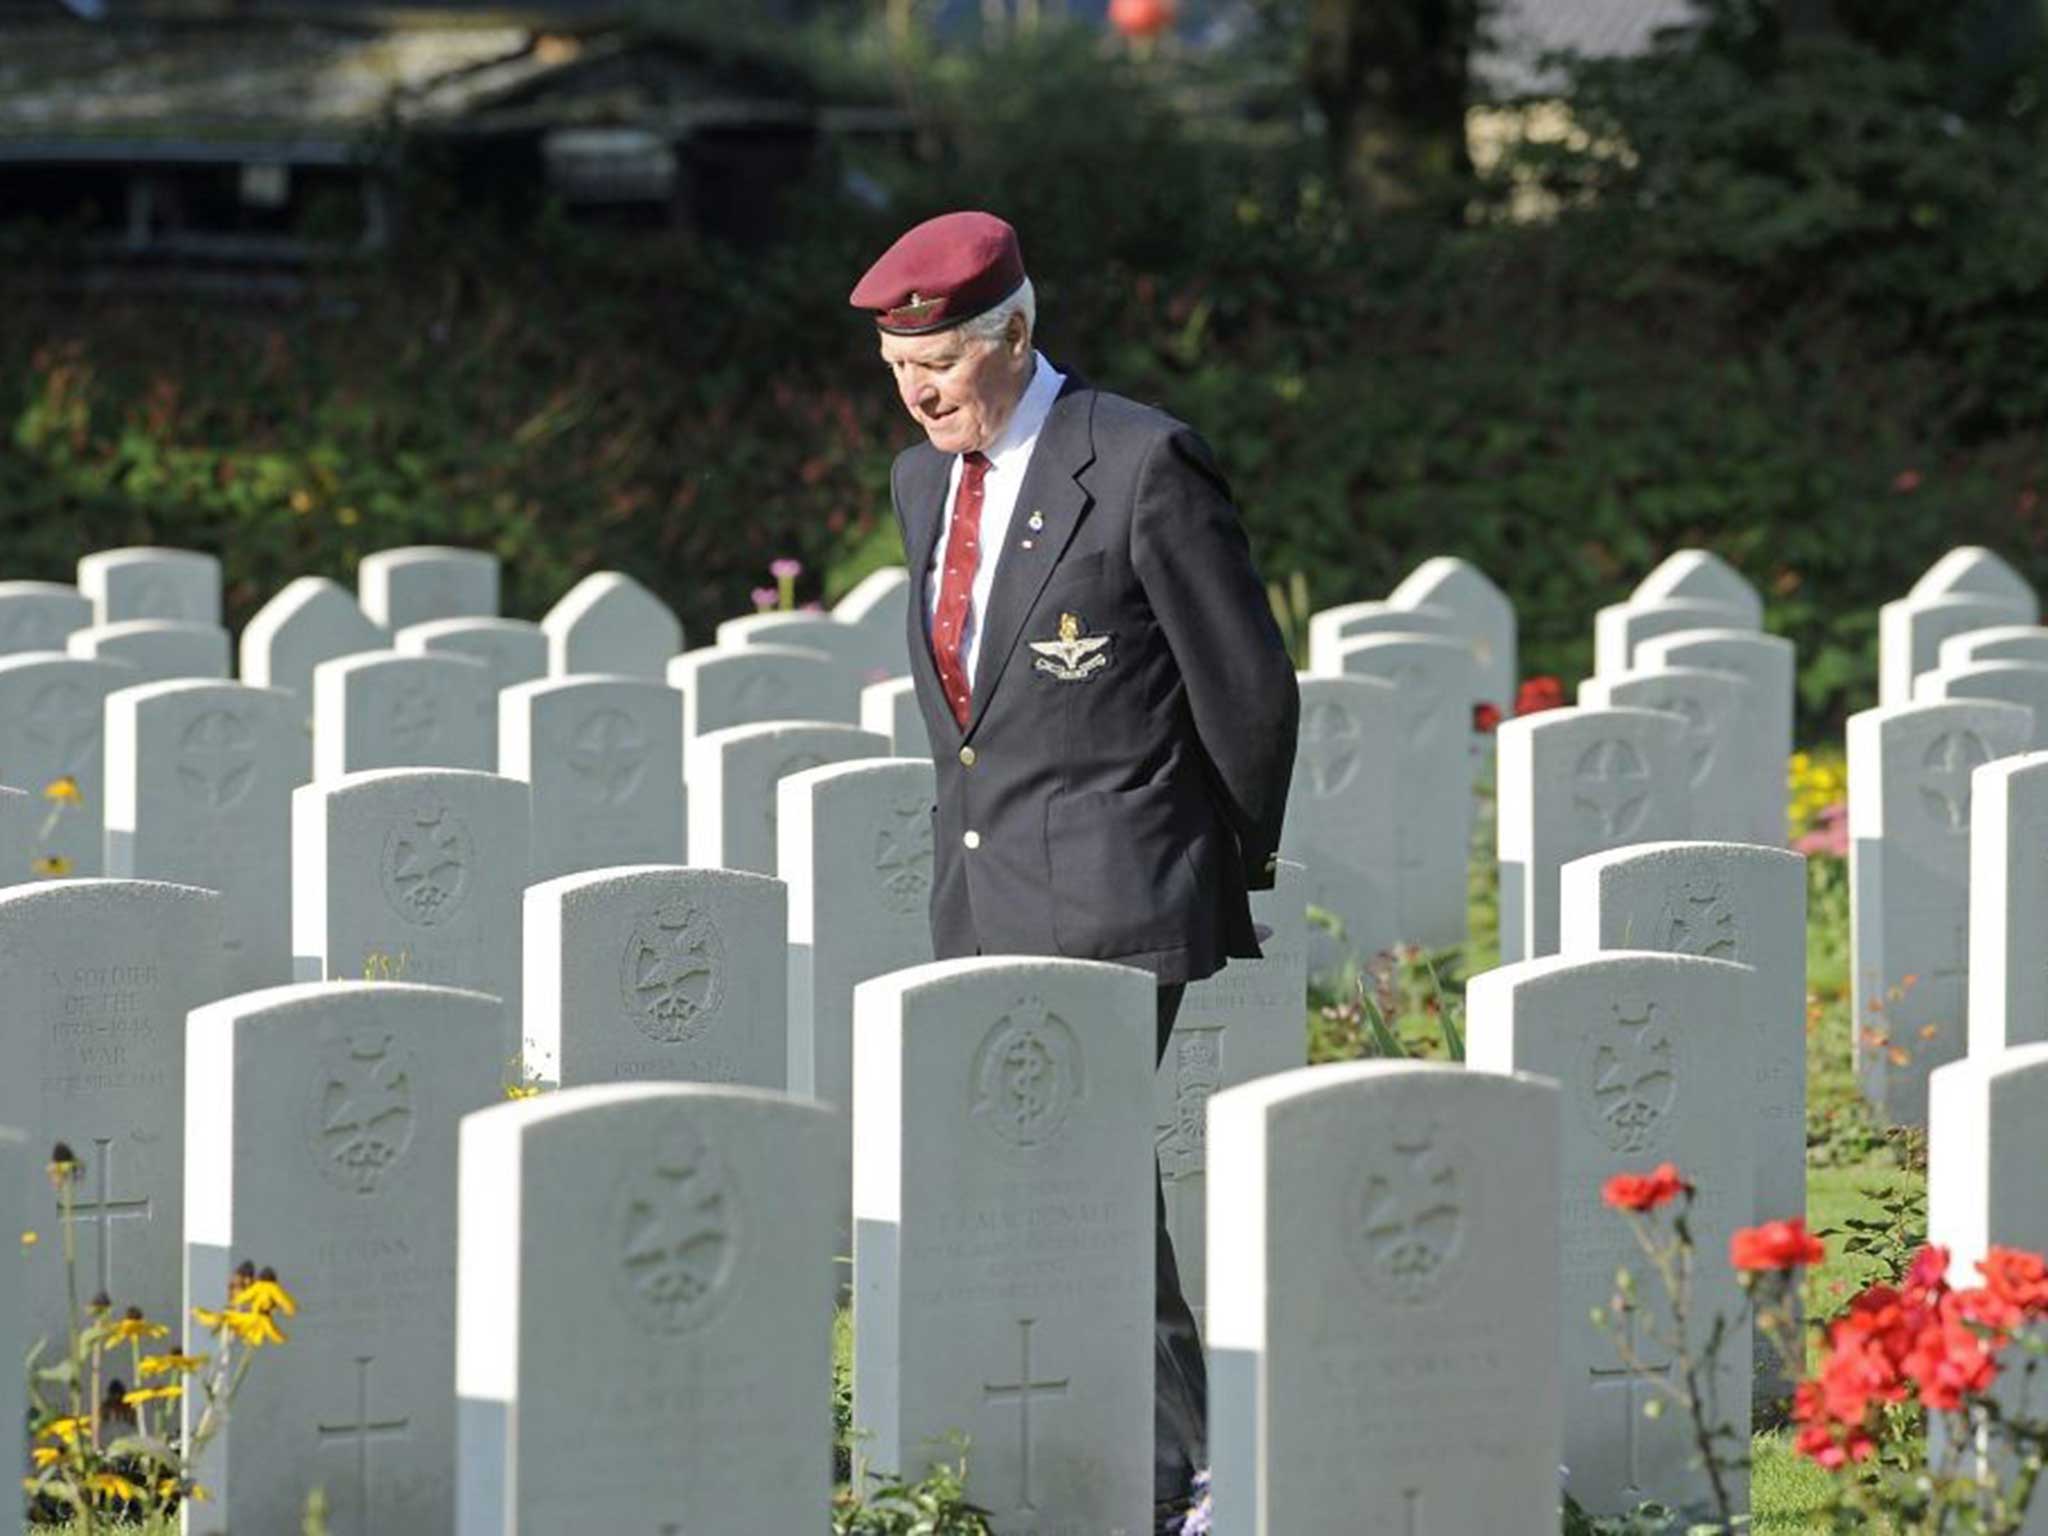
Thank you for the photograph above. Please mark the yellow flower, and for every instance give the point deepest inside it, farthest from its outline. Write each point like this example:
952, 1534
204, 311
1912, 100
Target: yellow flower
522, 1090
135, 1327
112, 1485
265, 1295
52, 864
163, 1365
67, 1429
143, 1395
45, 1455
254, 1329
64, 788
29, 1239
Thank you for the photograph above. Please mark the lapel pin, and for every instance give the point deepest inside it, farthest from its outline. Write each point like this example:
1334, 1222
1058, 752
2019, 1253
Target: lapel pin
1026, 544
1035, 522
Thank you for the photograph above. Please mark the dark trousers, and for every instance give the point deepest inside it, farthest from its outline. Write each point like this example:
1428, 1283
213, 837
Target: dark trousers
1180, 1413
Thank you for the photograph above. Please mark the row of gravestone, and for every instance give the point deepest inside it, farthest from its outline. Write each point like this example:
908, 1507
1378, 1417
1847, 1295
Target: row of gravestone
1005, 1112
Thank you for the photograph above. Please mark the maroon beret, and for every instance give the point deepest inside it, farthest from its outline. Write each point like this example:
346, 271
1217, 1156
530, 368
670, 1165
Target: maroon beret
944, 272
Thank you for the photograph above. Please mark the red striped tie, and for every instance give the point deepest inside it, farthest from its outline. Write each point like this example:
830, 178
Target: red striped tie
956, 589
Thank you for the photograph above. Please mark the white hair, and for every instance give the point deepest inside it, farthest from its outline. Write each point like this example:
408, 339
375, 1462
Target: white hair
991, 325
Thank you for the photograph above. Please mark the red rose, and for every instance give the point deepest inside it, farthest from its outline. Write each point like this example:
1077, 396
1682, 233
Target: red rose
2017, 1278
1142, 18
1949, 1362
1485, 718
1775, 1245
1645, 1191
1538, 694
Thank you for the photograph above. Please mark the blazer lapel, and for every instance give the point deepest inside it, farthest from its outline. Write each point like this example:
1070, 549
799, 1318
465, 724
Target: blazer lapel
1052, 489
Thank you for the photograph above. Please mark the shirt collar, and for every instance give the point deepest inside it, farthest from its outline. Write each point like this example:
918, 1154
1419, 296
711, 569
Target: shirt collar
1013, 445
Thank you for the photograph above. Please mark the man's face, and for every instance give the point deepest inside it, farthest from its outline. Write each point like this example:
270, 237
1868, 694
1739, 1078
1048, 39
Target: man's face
962, 391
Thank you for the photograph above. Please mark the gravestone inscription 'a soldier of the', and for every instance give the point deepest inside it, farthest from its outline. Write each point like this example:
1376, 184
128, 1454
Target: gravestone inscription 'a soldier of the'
1111, 707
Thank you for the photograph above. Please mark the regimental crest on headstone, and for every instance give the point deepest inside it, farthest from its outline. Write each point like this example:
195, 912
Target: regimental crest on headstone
903, 855
1945, 778
1413, 1211
413, 717
428, 863
1027, 1076
62, 724
1610, 789
1330, 740
360, 1113
1182, 1143
216, 760
672, 975
679, 1230
608, 757
1628, 1076
1698, 919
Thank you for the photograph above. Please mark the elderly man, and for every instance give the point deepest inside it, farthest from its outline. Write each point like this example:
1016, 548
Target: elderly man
1111, 708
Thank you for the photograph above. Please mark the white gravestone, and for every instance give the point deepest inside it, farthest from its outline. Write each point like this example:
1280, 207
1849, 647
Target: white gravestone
2012, 682
1912, 630
1410, 1211
657, 972
1003, 1219
102, 974
1725, 901
158, 649
199, 792
1433, 797
40, 615
401, 587
2004, 642
1770, 663
724, 686
410, 874
1736, 790
879, 607
1640, 1048
732, 776
890, 709
1343, 815
52, 727
1700, 575
1910, 770
309, 621
1574, 782
821, 632
1484, 616
687, 1231
604, 759
609, 623
321, 1142
148, 583
512, 650
1330, 628
1971, 570
18, 1162
1245, 1022
383, 710
20, 817
2008, 895
1620, 628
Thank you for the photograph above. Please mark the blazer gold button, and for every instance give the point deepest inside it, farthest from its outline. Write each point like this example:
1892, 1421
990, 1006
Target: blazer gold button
972, 840
967, 757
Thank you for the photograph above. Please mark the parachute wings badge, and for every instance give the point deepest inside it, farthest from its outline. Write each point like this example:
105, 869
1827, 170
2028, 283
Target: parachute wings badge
1074, 657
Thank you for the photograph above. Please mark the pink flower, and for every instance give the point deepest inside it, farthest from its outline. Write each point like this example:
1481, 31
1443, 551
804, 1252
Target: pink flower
765, 598
785, 569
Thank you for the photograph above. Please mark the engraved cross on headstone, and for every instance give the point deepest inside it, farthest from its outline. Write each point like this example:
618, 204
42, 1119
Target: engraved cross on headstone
361, 1431
1021, 1392
1612, 782
1632, 1379
105, 1208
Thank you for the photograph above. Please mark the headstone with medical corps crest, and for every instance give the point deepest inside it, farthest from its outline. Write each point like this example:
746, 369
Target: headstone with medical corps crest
1910, 769
324, 1146
101, 974
1574, 782
1734, 785
1003, 1218
656, 972
1244, 1022
40, 615
1343, 815
729, 685
412, 874
199, 791
158, 649
380, 709
603, 757
1725, 901
1639, 1045
52, 730
145, 582
732, 775
1411, 1210
644, 1312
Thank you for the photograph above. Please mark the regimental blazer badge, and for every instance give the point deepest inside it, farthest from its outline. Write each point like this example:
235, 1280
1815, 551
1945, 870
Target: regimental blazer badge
1074, 657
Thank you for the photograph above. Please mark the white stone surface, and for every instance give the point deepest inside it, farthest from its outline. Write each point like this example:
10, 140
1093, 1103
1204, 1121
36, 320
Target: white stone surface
512, 650
657, 971
686, 1231
1736, 788
199, 792
2008, 896
52, 726
1343, 814
1640, 1047
609, 623
412, 874
879, 607
1433, 797
824, 633
890, 709
724, 686
158, 649
20, 818
102, 974
150, 583
1330, 628
1700, 575
1003, 1116
322, 1143
1244, 1022
2003, 642
732, 776
1911, 631
1770, 663
400, 587
381, 709
1910, 769
1410, 1210
1485, 618
1972, 570
1620, 628
2013, 682
309, 621
604, 759
40, 615
1574, 782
